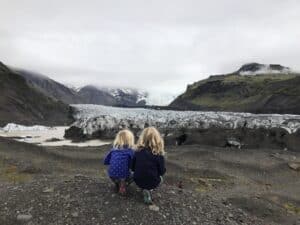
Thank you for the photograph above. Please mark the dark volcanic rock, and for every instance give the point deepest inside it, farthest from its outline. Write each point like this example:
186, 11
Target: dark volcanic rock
251, 67
255, 67
75, 133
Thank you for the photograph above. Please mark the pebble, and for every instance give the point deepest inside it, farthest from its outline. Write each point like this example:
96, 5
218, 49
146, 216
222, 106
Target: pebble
75, 214
154, 208
48, 190
24, 217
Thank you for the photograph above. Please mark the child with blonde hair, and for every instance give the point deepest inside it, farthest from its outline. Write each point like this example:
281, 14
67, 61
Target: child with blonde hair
148, 162
119, 160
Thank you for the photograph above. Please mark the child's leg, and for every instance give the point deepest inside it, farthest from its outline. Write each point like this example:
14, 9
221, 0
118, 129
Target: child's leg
129, 179
147, 193
161, 180
147, 196
117, 183
122, 188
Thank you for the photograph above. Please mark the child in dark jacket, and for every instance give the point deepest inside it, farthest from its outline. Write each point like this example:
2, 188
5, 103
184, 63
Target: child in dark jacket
148, 162
119, 160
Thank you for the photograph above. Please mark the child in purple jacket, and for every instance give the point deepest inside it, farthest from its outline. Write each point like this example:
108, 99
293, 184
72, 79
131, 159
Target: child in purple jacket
119, 160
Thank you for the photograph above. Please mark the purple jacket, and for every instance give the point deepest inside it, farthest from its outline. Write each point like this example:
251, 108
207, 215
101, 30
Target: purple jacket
119, 161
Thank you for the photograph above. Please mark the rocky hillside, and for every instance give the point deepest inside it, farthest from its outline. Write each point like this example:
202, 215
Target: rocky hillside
21, 103
254, 88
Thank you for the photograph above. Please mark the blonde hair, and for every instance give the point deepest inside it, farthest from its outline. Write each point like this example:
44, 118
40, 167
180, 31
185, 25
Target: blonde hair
124, 138
151, 138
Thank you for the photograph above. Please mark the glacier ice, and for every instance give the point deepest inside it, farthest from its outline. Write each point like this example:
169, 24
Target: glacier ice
93, 118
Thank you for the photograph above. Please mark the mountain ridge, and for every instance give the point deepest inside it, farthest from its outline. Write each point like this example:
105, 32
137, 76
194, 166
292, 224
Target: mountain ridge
21, 103
50, 87
88, 94
252, 88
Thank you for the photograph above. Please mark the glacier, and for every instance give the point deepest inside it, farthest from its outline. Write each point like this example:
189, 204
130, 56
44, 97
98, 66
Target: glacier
94, 118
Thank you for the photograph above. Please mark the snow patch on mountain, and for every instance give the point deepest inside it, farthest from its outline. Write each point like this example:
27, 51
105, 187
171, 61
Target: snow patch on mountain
118, 93
123, 96
257, 69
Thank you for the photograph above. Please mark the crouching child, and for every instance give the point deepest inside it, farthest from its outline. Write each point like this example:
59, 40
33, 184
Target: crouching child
148, 162
119, 160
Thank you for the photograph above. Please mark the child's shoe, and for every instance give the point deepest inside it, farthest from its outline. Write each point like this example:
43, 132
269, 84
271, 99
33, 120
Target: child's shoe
147, 197
122, 188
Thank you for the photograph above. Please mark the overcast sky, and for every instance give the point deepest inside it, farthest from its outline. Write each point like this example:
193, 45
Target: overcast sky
157, 45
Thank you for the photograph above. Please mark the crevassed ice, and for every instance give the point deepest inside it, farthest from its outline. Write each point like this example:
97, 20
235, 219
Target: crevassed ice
96, 117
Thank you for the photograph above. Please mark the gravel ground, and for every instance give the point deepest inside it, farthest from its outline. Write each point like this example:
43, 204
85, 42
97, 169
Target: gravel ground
69, 185
86, 200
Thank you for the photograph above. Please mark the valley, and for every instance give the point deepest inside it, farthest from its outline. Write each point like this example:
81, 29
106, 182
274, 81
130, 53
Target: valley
224, 164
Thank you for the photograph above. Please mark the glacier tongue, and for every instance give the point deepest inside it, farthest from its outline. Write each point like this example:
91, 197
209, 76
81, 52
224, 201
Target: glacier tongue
95, 118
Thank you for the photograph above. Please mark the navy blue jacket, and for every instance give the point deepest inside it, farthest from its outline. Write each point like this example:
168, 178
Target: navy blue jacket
119, 161
147, 169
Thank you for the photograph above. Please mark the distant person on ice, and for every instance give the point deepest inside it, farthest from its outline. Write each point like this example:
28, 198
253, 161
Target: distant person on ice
148, 162
119, 160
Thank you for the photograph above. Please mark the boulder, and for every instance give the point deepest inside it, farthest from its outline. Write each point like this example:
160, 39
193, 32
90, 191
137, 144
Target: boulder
294, 165
75, 133
233, 142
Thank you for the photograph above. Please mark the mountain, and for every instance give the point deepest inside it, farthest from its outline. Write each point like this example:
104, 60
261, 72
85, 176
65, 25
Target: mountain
127, 96
86, 95
256, 88
50, 87
92, 95
21, 103
112, 96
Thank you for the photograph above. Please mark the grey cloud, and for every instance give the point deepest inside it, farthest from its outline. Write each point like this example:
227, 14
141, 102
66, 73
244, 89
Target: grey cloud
156, 45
